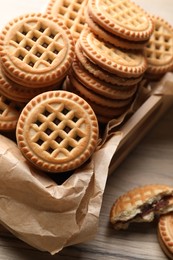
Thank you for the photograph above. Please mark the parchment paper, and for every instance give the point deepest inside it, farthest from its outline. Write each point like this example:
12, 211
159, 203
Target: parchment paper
46, 215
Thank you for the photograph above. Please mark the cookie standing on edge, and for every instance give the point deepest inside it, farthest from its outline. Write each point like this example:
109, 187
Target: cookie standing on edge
72, 12
159, 50
36, 50
57, 131
165, 234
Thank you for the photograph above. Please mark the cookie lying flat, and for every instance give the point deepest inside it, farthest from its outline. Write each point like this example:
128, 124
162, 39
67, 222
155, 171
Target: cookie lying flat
112, 38
122, 17
57, 131
165, 234
141, 205
101, 74
122, 63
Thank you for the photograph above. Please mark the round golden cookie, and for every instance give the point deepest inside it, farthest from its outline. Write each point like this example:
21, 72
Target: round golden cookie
101, 74
159, 50
57, 131
165, 234
119, 62
122, 17
20, 93
36, 50
72, 12
9, 114
100, 87
112, 38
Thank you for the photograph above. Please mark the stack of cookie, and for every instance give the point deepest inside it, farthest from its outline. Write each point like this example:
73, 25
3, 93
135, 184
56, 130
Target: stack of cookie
110, 62
36, 52
105, 76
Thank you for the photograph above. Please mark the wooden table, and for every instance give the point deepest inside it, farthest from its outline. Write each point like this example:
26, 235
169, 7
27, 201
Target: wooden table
150, 162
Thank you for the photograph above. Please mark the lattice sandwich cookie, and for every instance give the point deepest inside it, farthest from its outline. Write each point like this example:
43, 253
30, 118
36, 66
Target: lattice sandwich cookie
9, 114
36, 50
141, 205
110, 37
159, 50
122, 17
100, 73
72, 12
122, 63
19, 93
57, 131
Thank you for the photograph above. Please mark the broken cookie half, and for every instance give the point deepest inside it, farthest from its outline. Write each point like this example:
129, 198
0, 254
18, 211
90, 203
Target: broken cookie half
141, 204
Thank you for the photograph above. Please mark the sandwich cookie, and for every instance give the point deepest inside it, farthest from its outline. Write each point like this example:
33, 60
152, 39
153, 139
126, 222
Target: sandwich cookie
57, 131
141, 204
159, 50
72, 13
36, 50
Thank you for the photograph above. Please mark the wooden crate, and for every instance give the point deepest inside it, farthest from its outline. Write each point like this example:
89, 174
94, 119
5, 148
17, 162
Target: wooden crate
138, 125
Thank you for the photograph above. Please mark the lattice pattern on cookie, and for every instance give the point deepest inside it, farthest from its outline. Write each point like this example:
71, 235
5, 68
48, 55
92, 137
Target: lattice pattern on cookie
112, 38
124, 13
72, 13
40, 49
122, 17
159, 50
58, 131
33, 44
